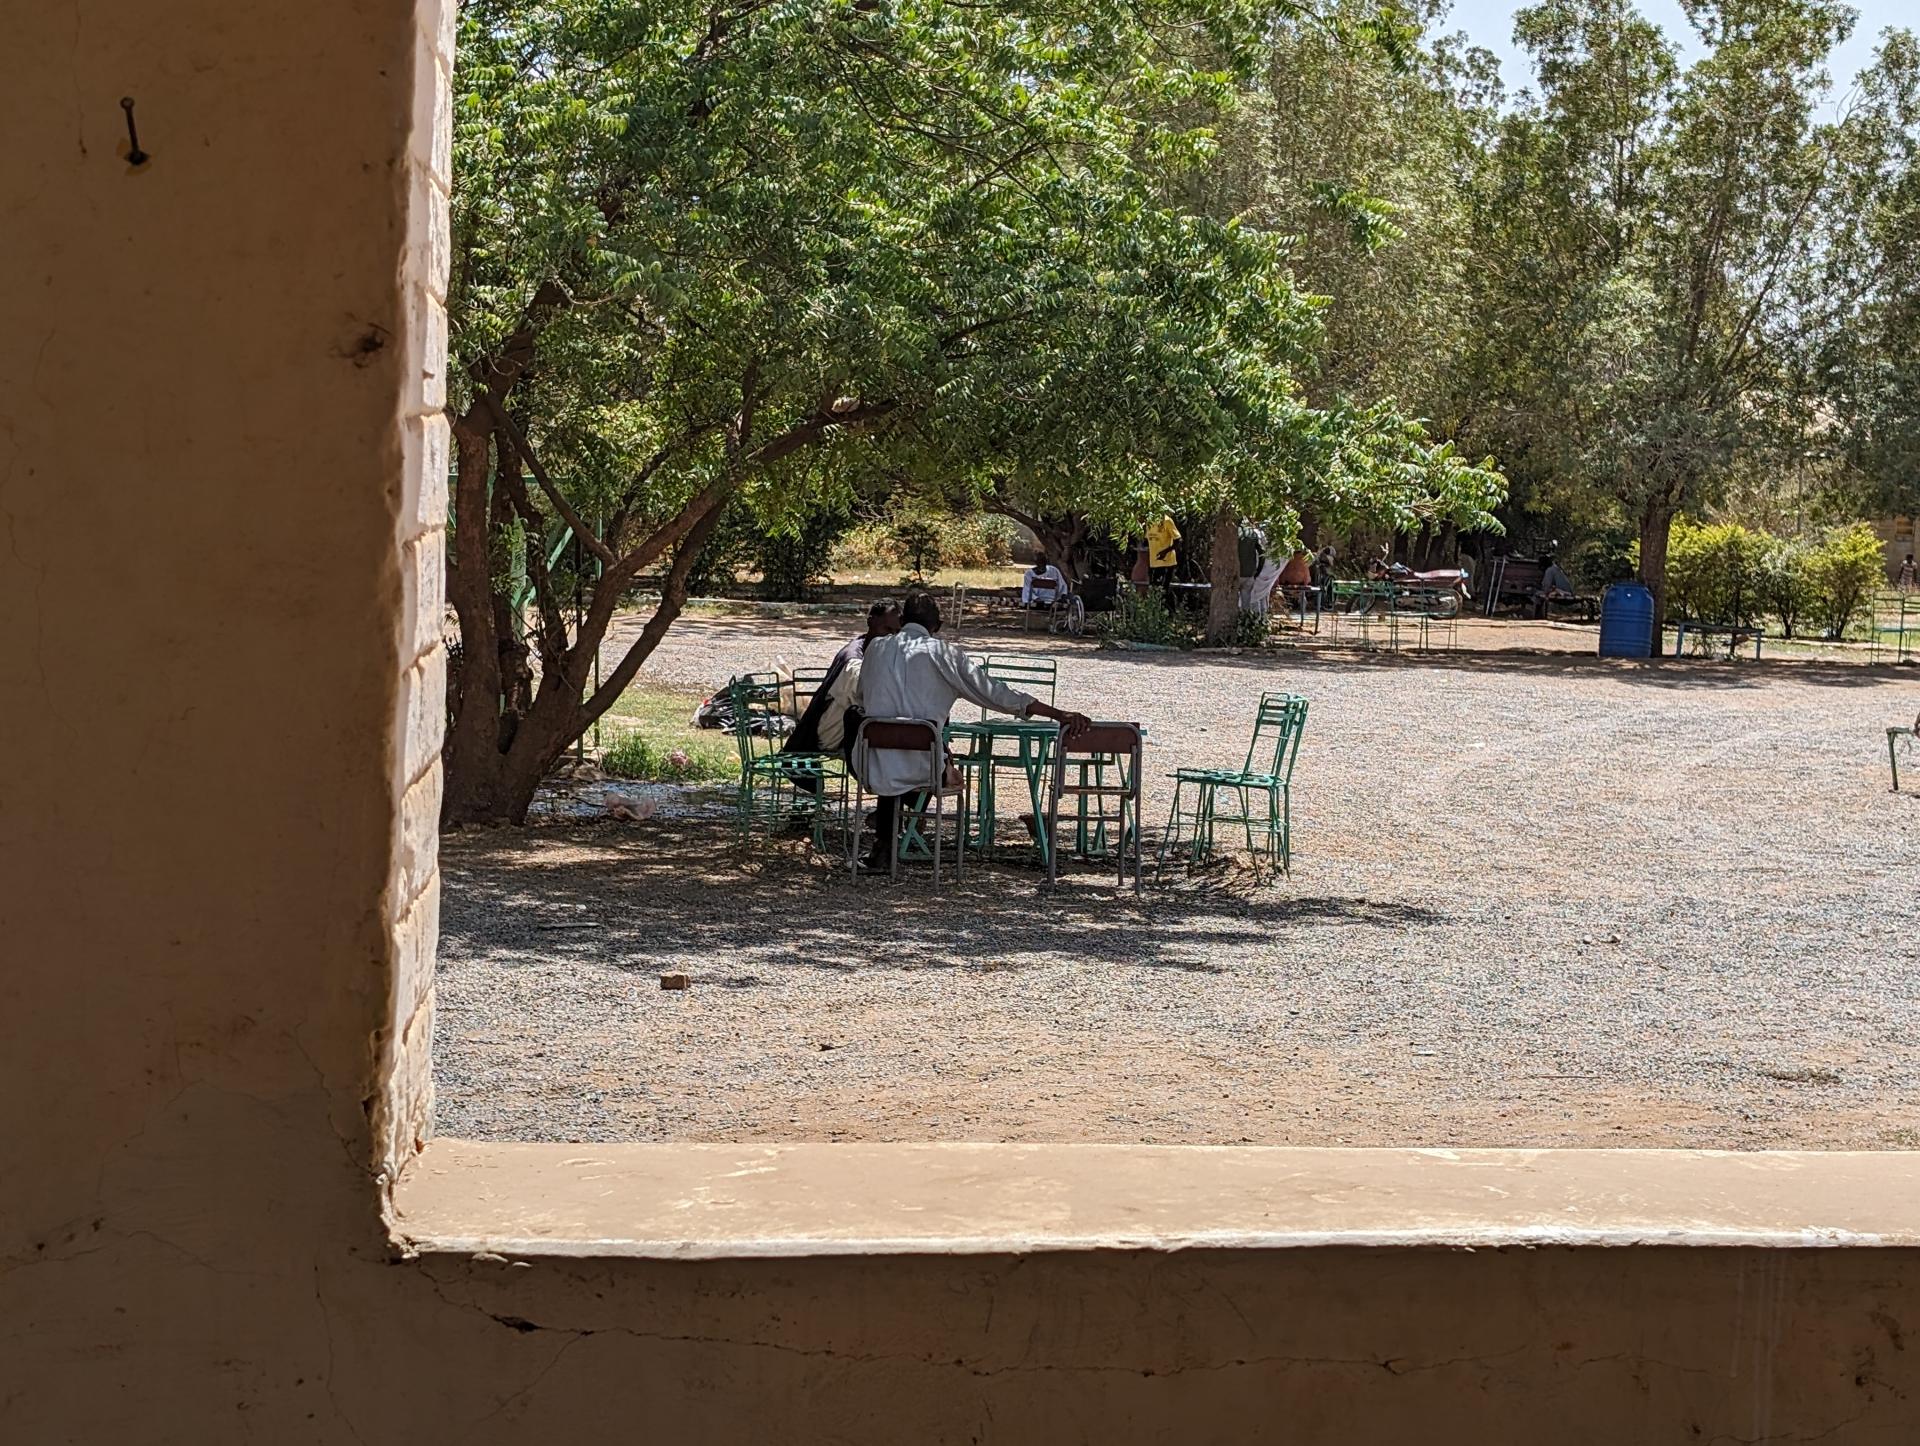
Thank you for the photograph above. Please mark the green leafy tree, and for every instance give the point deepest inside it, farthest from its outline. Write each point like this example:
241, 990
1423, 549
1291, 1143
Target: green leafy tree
1861, 312
1655, 265
770, 257
760, 253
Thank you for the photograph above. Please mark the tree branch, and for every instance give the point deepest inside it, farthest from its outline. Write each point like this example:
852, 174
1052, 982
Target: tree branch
805, 433
589, 539
553, 627
614, 581
673, 598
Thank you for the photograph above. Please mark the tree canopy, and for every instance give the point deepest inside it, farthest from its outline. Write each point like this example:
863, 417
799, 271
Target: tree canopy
1088, 263
787, 252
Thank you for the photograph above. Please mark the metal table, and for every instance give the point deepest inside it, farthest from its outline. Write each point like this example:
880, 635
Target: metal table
993, 744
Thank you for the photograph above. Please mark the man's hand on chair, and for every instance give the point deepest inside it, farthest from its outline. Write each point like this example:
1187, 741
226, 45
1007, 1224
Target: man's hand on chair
1072, 724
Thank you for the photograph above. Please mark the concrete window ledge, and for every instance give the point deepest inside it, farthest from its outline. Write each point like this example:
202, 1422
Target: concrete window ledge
693, 1202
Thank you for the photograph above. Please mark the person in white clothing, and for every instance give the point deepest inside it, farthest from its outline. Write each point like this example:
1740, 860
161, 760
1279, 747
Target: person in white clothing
1042, 585
1258, 572
913, 674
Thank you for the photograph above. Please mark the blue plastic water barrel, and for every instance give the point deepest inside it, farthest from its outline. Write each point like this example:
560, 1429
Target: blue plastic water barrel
1626, 621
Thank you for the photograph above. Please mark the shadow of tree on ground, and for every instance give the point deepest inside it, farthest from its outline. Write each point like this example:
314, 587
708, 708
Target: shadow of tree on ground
634, 897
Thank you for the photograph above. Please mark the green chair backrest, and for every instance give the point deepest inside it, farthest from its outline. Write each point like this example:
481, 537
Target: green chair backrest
1276, 735
806, 682
756, 698
1038, 676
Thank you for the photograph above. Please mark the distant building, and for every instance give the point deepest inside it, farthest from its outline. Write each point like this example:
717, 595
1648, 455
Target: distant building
1897, 535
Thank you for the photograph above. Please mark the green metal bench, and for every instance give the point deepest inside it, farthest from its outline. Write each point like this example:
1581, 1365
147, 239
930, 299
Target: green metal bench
1267, 776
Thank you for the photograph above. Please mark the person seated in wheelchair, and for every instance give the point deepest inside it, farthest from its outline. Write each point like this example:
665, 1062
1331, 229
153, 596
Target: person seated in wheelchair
1043, 586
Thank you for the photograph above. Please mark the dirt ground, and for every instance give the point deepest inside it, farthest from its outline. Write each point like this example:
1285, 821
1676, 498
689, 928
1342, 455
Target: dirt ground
1536, 900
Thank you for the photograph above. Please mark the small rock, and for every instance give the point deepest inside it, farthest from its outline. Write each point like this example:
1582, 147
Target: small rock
673, 981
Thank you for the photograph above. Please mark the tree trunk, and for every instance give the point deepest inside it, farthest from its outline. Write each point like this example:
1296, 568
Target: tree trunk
497, 784
1223, 571
501, 742
473, 730
1656, 521
1061, 543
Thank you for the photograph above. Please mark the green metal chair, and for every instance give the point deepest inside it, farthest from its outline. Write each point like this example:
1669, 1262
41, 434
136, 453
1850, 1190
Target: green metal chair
1355, 603
1428, 610
1041, 678
777, 787
1262, 789
806, 683
1038, 676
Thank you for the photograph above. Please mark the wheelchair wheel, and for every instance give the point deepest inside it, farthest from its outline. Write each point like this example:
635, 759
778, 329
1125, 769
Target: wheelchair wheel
1069, 616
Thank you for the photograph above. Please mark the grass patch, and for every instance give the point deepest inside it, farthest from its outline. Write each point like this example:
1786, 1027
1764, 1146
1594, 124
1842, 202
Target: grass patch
649, 736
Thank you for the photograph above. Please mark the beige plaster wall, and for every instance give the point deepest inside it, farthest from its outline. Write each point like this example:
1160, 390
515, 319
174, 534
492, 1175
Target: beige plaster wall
216, 887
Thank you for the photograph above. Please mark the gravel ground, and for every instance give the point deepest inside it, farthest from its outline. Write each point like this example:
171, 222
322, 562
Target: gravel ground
1536, 900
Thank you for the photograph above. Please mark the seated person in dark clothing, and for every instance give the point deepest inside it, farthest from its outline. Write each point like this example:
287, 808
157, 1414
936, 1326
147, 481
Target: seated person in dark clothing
1555, 586
823, 727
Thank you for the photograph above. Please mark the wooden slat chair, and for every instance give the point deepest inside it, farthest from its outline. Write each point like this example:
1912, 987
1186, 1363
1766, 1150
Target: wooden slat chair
1267, 773
1101, 747
911, 735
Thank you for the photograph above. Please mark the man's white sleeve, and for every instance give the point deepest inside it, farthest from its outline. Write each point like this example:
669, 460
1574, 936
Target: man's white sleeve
970, 681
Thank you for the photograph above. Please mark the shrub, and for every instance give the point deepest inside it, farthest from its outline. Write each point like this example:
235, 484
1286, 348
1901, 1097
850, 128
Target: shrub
1144, 617
1786, 582
1250, 629
634, 755
918, 541
791, 562
1714, 572
1606, 558
1844, 570
946, 540
982, 540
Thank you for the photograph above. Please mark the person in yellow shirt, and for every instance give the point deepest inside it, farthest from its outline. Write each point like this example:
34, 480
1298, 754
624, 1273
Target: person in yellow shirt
1163, 544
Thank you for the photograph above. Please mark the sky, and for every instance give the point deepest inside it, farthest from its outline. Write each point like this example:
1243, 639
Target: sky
1490, 23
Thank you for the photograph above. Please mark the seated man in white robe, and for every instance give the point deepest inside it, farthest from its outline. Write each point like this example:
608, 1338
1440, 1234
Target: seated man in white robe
1043, 585
913, 674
